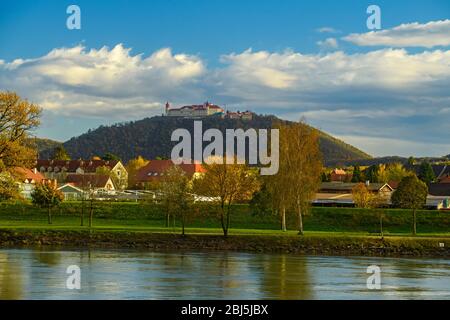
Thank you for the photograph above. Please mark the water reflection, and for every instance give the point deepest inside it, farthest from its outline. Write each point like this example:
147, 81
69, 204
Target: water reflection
11, 281
115, 274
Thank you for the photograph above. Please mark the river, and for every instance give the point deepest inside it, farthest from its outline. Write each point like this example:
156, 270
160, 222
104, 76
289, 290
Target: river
127, 274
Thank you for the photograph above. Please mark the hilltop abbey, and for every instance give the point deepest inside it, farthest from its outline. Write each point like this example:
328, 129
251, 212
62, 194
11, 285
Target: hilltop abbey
205, 110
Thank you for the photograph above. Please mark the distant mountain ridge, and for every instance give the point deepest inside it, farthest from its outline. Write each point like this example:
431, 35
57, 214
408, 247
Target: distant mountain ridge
150, 138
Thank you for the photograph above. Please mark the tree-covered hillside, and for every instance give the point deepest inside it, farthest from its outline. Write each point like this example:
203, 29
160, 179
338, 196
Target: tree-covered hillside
150, 138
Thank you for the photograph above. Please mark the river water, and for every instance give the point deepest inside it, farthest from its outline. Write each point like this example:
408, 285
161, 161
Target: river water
126, 274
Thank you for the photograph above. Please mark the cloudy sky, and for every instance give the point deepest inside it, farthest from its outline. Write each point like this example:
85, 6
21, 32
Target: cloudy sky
385, 91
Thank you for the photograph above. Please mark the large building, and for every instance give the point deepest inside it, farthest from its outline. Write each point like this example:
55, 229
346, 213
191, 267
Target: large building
60, 169
194, 111
154, 171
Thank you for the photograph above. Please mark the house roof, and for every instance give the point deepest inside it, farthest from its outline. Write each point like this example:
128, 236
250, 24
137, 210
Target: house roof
28, 175
69, 187
440, 170
154, 169
84, 180
73, 165
348, 187
439, 189
339, 171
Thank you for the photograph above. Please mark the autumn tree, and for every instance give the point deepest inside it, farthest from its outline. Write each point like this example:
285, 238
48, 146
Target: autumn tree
227, 183
362, 197
396, 172
8, 186
133, 167
47, 196
176, 194
300, 167
411, 194
275, 185
18, 118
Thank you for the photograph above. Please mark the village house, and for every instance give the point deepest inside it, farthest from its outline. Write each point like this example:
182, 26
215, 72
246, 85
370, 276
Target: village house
438, 195
96, 182
71, 192
60, 169
154, 171
340, 193
27, 180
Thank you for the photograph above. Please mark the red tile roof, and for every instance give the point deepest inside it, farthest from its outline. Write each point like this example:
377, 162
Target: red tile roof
29, 175
152, 171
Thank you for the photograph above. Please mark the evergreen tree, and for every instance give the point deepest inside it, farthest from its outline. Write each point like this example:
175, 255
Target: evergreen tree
60, 153
426, 173
410, 194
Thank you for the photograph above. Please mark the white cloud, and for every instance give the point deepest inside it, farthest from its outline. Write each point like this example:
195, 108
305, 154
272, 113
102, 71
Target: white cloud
391, 146
428, 35
390, 93
327, 30
333, 76
112, 81
329, 43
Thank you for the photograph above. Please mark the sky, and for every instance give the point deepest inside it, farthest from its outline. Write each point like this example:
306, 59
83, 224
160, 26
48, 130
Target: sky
384, 91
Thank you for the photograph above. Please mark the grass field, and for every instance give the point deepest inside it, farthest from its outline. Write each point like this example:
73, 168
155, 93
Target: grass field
142, 217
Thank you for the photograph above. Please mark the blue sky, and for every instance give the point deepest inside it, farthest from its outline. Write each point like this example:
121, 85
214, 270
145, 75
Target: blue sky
387, 93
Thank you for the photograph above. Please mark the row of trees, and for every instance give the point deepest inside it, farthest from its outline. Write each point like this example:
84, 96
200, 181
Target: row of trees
387, 172
289, 191
411, 193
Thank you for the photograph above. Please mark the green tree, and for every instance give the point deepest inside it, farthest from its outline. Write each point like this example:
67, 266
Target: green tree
110, 157
60, 153
426, 173
47, 196
410, 194
262, 202
357, 175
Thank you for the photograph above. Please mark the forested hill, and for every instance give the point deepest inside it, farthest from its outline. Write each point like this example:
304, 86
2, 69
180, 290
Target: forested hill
150, 138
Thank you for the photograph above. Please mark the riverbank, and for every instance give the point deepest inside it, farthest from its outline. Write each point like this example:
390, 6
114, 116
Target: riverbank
314, 244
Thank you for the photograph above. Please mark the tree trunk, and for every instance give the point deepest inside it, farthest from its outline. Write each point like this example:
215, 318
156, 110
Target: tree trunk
222, 221
283, 219
381, 226
91, 214
300, 221
414, 226
82, 214
49, 211
182, 224
228, 219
